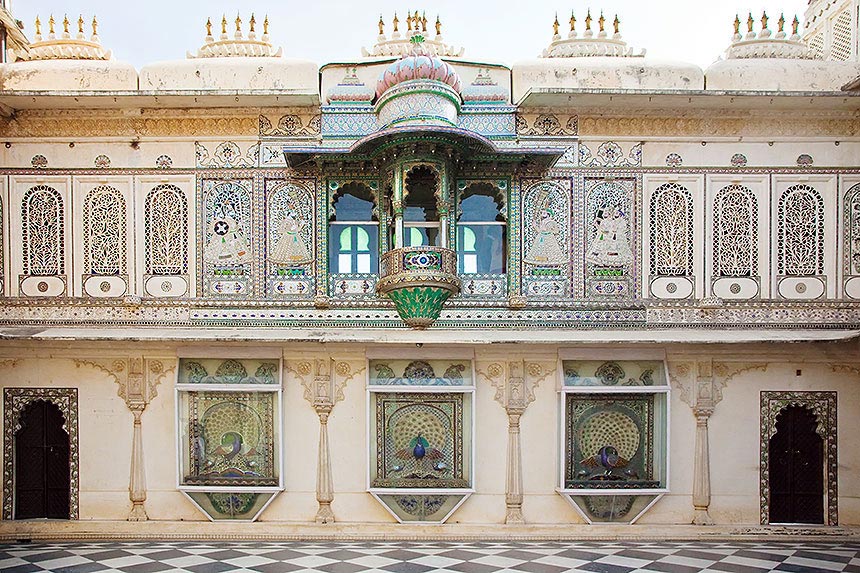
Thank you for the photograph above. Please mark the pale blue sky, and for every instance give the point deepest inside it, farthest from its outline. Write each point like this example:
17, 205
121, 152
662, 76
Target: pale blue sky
323, 31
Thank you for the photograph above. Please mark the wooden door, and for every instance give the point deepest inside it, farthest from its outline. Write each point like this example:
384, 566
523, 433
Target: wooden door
41, 464
796, 454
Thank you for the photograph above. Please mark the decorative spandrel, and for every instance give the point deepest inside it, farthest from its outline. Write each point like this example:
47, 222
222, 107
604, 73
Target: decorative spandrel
420, 441
610, 442
611, 373
420, 373
230, 439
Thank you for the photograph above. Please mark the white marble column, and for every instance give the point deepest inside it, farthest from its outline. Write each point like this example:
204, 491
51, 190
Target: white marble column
515, 382
324, 380
137, 479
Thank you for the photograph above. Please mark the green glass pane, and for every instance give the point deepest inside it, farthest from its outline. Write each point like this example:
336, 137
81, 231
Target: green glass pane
346, 240
468, 240
363, 240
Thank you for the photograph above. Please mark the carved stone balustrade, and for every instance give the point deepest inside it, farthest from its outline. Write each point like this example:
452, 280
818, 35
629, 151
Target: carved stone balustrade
419, 280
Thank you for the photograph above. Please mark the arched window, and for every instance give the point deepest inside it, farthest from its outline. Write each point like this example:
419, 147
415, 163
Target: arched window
43, 217
104, 232
482, 230
800, 236
353, 231
671, 231
851, 210
420, 211
165, 231
735, 232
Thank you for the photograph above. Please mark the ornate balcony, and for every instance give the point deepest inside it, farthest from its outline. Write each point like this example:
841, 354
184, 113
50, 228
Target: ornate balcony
419, 280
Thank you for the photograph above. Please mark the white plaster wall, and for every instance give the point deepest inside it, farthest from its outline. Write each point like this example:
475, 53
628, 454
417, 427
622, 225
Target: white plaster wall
238, 73
774, 74
604, 73
734, 438
106, 436
773, 151
68, 75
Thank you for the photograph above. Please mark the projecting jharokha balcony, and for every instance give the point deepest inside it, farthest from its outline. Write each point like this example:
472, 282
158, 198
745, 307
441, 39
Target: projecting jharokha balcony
419, 280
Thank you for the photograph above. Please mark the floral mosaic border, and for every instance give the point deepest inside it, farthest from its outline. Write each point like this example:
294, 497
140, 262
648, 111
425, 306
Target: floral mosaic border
15, 400
823, 405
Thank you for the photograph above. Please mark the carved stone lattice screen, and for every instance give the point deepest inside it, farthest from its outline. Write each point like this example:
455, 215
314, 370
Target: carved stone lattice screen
15, 401
823, 406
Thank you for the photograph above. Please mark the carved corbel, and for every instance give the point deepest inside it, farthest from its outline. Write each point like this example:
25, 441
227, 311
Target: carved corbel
324, 380
515, 383
700, 385
137, 381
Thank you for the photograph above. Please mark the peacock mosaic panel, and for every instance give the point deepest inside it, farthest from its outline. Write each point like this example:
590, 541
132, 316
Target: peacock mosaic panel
420, 440
420, 373
230, 439
609, 441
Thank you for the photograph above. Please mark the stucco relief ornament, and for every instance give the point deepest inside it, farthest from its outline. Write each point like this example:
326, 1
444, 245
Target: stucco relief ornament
290, 248
228, 244
546, 248
610, 246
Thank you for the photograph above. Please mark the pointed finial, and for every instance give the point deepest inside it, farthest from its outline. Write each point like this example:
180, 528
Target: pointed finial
424, 22
764, 21
395, 21
601, 21
750, 23
588, 21
408, 21
80, 24
38, 26
266, 25
555, 25
381, 26
438, 26
616, 23
95, 26
781, 22
65, 24
51, 24
223, 23
737, 25
208, 26
795, 25
238, 23
252, 22
572, 21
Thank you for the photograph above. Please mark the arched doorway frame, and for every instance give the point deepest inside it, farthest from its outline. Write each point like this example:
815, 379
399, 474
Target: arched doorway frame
823, 406
15, 401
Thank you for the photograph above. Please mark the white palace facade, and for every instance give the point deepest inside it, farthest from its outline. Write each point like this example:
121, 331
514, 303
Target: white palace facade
406, 290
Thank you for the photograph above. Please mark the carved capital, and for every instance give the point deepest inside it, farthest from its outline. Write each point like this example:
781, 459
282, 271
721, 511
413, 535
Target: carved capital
323, 379
137, 378
515, 382
700, 384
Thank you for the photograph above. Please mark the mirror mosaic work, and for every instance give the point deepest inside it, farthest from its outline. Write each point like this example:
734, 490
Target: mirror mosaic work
421, 436
229, 442
615, 437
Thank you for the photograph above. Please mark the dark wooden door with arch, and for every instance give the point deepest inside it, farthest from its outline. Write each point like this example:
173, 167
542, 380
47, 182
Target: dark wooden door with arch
797, 470
41, 463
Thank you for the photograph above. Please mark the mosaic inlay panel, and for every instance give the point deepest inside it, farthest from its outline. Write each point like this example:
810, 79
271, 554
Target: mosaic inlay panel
230, 439
15, 401
611, 235
419, 440
546, 239
609, 441
227, 237
290, 227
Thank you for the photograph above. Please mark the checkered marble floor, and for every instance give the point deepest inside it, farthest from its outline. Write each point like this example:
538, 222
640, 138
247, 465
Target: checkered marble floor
430, 557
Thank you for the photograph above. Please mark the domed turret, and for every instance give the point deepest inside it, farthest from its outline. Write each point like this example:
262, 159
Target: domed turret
418, 66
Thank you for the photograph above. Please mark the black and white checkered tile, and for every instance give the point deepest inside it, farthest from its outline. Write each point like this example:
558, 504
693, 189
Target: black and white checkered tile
431, 557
